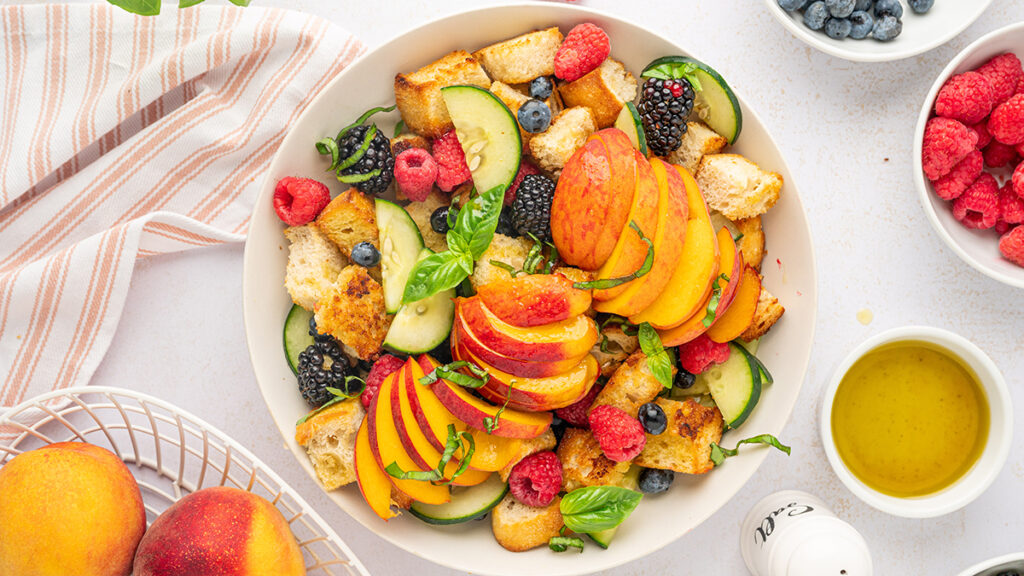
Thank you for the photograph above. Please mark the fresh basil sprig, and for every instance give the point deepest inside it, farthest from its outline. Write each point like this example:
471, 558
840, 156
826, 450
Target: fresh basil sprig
716, 296
455, 441
596, 508
606, 283
719, 454
563, 543
339, 396
468, 239
452, 373
658, 359
152, 7
675, 71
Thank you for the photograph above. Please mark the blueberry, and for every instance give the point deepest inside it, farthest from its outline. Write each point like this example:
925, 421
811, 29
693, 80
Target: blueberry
365, 254
863, 5
534, 116
1009, 573
840, 8
886, 28
652, 418
838, 28
684, 379
653, 480
920, 6
541, 87
439, 219
861, 24
816, 15
792, 5
888, 8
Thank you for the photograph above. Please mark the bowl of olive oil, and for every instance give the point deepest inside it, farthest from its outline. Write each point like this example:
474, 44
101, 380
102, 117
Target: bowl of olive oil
917, 422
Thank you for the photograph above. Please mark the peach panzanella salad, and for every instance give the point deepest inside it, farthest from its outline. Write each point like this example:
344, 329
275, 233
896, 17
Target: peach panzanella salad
559, 312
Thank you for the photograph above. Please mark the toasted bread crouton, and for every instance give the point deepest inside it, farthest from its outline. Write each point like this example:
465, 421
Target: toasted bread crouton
314, 263
420, 213
584, 464
418, 95
511, 251
407, 140
567, 133
737, 187
349, 219
631, 386
353, 312
605, 90
522, 58
698, 142
766, 314
752, 243
542, 443
329, 438
518, 527
685, 445
613, 349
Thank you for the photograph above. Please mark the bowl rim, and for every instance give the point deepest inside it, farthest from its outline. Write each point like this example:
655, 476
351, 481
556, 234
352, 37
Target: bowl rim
830, 47
991, 563
976, 480
580, 12
923, 187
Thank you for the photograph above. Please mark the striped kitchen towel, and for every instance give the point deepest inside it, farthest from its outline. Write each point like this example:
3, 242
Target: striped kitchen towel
125, 137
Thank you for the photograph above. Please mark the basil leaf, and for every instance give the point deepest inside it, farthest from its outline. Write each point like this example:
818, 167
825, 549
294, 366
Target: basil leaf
606, 283
596, 508
140, 7
455, 441
242, 3
675, 71
188, 3
457, 243
451, 372
433, 274
478, 220
399, 127
719, 454
658, 359
716, 296
563, 543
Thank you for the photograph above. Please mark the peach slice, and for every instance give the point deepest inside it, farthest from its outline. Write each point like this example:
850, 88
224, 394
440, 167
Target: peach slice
463, 337
537, 394
630, 251
374, 483
593, 199
689, 329
534, 300
473, 410
690, 284
668, 246
550, 342
387, 446
730, 263
740, 314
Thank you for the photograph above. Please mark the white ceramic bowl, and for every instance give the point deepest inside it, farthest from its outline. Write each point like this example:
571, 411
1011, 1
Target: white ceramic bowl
992, 459
996, 566
471, 548
921, 32
979, 248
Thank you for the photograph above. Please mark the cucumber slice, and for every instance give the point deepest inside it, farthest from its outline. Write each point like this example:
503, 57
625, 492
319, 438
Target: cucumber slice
631, 480
752, 346
421, 326
487, 130
400, 246
296, 335
735, 385
466, 504
715, 103
629, 122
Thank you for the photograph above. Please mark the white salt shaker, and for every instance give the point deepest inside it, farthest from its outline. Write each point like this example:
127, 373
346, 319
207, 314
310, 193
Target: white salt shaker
793, 533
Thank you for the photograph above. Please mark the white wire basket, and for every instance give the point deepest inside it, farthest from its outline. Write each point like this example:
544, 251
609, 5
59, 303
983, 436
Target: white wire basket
171, 453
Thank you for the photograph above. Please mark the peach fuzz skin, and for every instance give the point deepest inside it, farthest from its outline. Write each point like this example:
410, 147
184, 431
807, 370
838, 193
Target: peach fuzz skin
534, 300
551, 342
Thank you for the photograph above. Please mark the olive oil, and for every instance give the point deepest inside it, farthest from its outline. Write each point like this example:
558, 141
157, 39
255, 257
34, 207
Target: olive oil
909, 419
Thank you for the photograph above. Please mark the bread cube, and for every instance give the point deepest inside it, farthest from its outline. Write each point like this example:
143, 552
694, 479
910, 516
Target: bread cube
523, 58
421, 212
418, 95
631, 386
605, 90
584, 464
511, 251
567, 133
685, 445
766, 314
751, 245
518, 527
314, 263
698, 142
737, 187
329, 438
349, 219
353, 312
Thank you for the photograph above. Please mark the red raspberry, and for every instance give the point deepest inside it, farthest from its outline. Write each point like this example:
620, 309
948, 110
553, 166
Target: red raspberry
1007, 121
1003, 73
696, 355
1020, 149
575, 414
381, 369
1018, 180
525, 169
965, 97
415, 173
1012, 245
583, 50
978, 206
451, 161
1002, 227
952, 185
1011, 206
981, 129
946, 143
620, 435
536, 479
298, 201
998, 155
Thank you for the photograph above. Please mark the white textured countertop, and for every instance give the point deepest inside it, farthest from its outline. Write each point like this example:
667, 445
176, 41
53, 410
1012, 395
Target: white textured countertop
846, 130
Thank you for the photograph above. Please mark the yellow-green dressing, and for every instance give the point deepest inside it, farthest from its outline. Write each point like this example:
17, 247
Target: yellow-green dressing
909, 419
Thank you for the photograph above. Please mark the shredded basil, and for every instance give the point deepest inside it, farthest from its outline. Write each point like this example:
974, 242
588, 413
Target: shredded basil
490, 424
716, 295
455, 441
563, 543
606, 283
506, 267
719, 454
399, 128
451, 372
339, 396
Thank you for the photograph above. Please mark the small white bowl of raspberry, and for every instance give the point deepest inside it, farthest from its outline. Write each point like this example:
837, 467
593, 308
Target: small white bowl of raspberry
968, 145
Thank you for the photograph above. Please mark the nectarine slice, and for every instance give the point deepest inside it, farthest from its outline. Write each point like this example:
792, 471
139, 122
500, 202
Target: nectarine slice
550, 342
538, 394
741, 313
374, 483
730, 263
534, 300
463, 337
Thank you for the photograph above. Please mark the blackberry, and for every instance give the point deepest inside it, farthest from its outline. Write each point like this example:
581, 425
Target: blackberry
531, 210
373, 158
505, 227
664, 106
323, 365
315, 332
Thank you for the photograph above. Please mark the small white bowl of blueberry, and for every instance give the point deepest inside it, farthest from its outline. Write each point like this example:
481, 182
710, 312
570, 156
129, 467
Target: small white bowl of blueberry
1009, 565
876, 30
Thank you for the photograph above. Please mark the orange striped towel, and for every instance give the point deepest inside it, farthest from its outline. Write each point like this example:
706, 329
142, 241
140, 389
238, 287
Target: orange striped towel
124, 137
